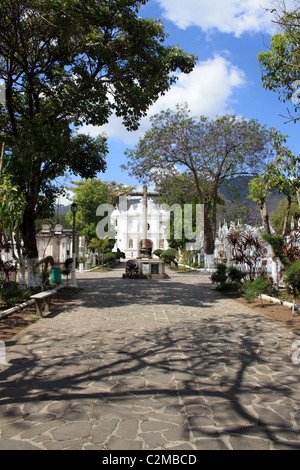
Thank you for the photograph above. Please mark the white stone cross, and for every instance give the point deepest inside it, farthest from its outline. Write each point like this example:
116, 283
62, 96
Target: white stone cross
145, 194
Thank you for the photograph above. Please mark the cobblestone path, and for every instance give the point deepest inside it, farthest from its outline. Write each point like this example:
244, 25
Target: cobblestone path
139, 365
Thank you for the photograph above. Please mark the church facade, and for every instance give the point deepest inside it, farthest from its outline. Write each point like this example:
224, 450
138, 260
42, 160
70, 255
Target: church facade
127, 222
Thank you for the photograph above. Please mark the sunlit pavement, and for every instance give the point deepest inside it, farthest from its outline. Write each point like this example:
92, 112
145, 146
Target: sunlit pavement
150, 364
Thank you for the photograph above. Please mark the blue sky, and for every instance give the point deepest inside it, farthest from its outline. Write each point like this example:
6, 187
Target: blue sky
226, 35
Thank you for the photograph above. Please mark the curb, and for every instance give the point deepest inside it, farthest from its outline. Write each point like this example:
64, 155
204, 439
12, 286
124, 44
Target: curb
20, 307
281, 302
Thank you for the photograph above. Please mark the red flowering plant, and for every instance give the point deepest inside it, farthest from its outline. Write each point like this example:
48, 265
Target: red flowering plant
247, 249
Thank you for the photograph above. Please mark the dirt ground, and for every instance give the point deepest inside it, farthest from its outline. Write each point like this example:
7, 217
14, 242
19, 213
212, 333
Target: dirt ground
15, 323
18, 321
276, 312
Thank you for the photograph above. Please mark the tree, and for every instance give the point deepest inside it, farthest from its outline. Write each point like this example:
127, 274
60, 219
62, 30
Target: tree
234, 207
238, 212
66, 63
278, 216
280, 64
101, 246
89, 194
209, 150
12, 203
282, 176
259, 193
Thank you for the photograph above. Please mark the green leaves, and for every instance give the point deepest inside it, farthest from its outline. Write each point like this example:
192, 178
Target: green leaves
280, 65
66, 63
12, 204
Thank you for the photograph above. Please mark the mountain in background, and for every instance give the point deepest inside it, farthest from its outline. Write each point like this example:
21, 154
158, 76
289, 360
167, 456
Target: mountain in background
235, 189
238, 189
62, 210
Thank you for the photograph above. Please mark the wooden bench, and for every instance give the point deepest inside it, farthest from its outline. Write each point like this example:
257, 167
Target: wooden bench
41, 299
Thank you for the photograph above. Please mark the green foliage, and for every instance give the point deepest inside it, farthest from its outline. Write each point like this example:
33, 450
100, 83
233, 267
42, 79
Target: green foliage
293, 277
168, 256
208, 150
119, 254
280, 64
89, 194
260, 285
12, 204
277, 216
228, 279
220, 276
277, 243
12, 293
235, 274
109, 258
68, 63
158, 252
258, 190
101, 246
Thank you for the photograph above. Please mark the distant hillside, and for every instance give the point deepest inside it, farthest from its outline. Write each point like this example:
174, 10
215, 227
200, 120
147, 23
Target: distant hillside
238, 189
235, 188
61, 210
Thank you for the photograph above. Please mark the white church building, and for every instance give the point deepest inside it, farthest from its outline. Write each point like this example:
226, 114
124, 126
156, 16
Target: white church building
127, 220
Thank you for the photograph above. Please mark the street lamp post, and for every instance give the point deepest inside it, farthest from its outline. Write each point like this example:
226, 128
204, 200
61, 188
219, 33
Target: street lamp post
73, 273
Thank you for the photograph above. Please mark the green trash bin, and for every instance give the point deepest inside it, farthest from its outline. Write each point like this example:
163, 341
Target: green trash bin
55, 277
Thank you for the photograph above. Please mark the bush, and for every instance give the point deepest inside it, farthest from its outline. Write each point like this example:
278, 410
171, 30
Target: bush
158, 252
293, 277
109, 258
168, 256
12, 293
256, 288
228, 279
235, 274
119, 254
220, 277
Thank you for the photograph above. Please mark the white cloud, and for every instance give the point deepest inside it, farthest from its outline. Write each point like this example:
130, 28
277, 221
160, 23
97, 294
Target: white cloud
227, 16
66, 199
207, 90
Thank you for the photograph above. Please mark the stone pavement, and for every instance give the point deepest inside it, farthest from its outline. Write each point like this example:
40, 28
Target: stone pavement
150, 365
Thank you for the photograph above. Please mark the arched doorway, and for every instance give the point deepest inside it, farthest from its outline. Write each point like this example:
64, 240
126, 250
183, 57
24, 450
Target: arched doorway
149, 245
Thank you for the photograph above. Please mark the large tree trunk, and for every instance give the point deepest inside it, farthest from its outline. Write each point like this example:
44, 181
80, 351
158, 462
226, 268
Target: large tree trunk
18, 256
209, 236
298, 197
286, 218
265, 217
29, 234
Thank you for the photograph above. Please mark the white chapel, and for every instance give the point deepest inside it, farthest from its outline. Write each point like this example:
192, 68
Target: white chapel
128, 224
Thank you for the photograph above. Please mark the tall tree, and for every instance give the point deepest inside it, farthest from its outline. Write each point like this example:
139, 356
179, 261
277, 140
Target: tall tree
282, 175
66, 63
89, 194
209, 150
280, 64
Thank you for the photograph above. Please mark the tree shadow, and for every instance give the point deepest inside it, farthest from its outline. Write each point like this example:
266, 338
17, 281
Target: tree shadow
204, 369
114, 292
